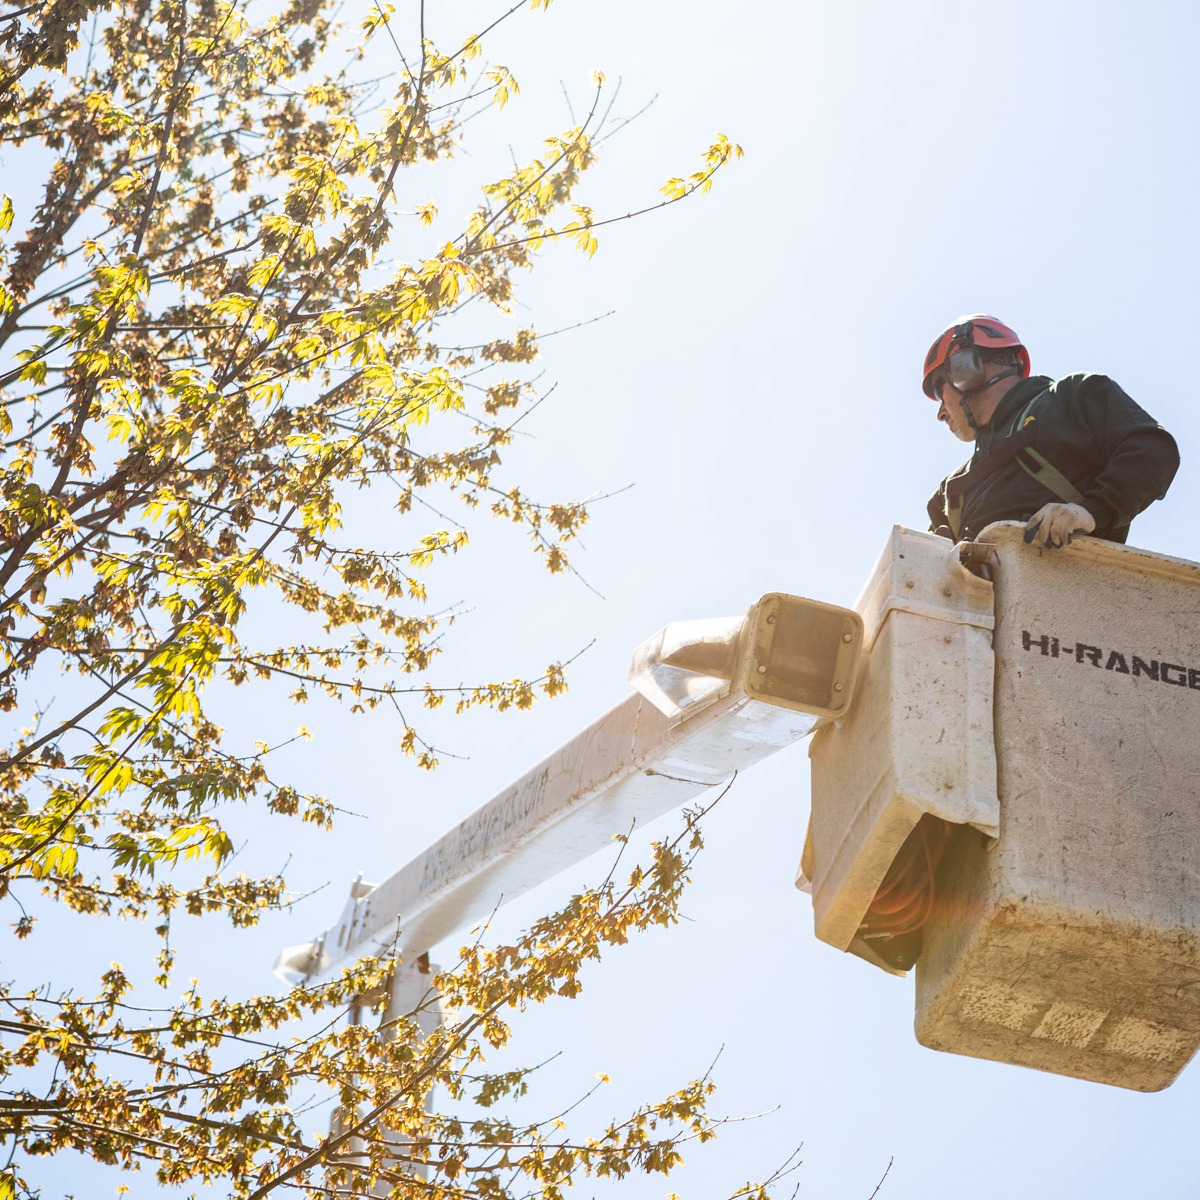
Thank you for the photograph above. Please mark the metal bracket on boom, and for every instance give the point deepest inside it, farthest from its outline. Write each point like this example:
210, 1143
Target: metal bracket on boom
784, 650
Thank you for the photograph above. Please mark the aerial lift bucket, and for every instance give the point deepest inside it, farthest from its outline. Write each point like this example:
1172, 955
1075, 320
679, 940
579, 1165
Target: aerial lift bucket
1064, 932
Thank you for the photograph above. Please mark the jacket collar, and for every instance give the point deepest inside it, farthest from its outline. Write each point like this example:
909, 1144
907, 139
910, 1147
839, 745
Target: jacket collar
1007, 411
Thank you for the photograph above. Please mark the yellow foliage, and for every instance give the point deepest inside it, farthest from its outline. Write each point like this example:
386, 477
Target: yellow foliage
246, 337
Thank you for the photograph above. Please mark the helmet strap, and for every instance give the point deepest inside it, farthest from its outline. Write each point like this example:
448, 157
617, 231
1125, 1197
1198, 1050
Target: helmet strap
968, 415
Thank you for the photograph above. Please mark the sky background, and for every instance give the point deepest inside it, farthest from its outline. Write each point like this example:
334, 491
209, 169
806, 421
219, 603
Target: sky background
756, 393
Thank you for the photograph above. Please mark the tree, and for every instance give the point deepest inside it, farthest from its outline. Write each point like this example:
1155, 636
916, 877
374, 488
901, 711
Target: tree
208, 359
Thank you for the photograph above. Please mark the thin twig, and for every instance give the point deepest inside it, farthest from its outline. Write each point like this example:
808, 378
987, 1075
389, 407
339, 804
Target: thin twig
881, 1179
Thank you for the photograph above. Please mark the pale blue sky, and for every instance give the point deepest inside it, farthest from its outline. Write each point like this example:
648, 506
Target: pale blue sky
759, 385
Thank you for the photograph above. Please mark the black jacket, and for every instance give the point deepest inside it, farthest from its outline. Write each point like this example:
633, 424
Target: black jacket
1116, 455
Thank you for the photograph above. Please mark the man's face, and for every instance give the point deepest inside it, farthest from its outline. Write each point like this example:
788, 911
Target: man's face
950, 410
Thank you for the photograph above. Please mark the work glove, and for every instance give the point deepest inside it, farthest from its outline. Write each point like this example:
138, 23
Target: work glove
1056, 524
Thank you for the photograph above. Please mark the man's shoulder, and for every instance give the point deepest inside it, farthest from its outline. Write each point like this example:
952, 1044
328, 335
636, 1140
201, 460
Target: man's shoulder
939, 495
1085, 392
1096, 401
1081, 379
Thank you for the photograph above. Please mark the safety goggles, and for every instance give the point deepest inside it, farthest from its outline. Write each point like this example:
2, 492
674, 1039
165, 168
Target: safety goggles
964, 371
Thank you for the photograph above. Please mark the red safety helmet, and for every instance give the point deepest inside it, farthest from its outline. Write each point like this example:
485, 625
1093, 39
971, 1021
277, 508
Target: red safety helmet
978, 331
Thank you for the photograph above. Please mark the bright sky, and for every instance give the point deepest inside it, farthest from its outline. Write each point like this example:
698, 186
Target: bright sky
758, 385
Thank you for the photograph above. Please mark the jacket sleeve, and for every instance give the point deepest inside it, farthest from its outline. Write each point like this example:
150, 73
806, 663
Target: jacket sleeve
1138, 456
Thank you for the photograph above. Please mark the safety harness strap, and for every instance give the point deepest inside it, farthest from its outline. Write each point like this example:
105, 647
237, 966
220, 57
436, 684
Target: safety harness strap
1048, 475
1015, 446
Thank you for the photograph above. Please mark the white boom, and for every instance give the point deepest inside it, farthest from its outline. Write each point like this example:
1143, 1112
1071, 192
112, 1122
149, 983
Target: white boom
737, 691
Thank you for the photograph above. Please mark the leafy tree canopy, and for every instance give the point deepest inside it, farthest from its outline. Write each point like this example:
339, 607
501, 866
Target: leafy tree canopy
227, 308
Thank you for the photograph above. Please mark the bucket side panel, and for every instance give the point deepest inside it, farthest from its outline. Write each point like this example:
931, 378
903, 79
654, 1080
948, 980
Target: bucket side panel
918, 740
1096, 735
1073, 945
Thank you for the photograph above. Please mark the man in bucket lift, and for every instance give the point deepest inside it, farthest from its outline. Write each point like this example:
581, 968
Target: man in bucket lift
1072, 456
1076, 456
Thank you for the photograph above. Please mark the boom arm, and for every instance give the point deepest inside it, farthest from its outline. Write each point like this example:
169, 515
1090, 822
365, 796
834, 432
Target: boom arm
761, 684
